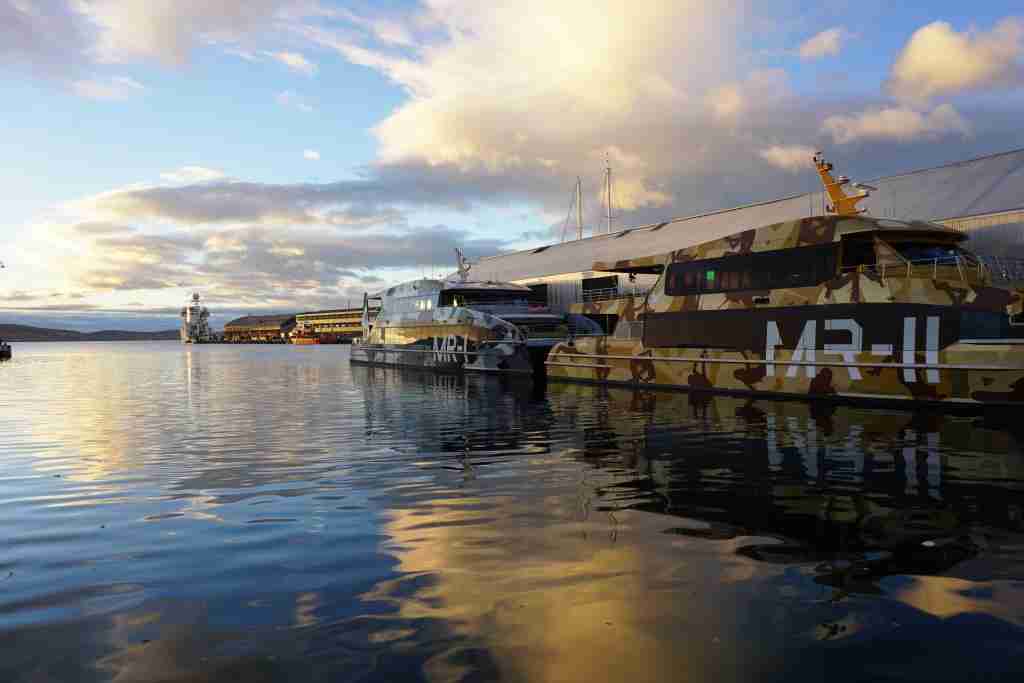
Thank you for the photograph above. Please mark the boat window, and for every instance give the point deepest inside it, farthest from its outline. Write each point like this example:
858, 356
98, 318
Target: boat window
943, 254
799, 267
538, 295
858, 252
495, 297
988, 325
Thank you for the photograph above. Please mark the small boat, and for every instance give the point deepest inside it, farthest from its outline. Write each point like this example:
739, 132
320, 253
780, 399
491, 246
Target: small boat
460, 324
304, 336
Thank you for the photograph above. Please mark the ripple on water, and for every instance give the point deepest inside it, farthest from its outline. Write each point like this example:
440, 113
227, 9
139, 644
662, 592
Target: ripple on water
269, 513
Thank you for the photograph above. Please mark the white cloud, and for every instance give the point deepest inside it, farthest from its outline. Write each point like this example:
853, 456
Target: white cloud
790, 158
295, 62
938, 60
895, 123
828, 43
289, 98
311, 155
168, 30
113, 88
45, 36
484, 96
192, 174
762, 88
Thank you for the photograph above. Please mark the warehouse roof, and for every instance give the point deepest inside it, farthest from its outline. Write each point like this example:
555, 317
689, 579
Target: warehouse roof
259, 321
969, 188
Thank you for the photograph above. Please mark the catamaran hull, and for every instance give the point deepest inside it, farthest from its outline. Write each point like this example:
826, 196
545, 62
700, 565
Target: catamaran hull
977, 374
460, 349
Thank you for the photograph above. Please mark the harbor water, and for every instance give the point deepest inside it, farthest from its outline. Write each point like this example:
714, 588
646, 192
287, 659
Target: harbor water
183, 513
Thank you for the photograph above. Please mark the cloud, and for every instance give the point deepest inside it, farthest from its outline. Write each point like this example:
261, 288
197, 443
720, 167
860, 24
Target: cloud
101, 228
901, 124
937, 60
377, 198
48, 37
311, 155
113, 88
828, 43
791, 158
483, 100
289, 98
295, 62
270, 265
169, 30
192, 174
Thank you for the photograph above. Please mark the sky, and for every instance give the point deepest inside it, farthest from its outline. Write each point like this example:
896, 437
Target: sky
288, 155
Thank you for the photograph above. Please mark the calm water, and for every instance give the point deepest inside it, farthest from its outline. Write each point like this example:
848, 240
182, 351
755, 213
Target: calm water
228, 513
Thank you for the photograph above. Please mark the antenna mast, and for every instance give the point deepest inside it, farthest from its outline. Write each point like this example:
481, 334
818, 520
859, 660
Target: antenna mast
842, 203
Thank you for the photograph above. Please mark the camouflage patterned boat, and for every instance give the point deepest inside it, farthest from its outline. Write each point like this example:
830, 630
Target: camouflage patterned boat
840, 306
456, 325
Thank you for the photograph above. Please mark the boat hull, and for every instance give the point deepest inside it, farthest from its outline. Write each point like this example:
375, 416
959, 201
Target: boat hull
978, 374
442, 348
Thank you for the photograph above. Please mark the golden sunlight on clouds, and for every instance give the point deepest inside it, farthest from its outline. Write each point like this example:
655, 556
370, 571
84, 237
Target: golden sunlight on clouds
488, 94
940, 61
788, 157
895, 123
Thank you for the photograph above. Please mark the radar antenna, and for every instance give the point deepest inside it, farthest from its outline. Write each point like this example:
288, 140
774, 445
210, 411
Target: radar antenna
464, 265
842, 204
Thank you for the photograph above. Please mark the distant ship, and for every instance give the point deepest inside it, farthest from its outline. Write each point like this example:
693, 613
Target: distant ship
195, 322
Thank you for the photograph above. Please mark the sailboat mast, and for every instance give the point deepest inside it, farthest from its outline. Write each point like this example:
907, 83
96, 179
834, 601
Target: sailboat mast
608, 192
579, 209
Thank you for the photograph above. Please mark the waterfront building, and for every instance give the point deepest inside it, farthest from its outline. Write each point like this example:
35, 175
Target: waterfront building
983, 198
259, 329
335, 326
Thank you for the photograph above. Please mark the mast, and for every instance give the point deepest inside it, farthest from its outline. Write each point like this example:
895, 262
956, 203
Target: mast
608, 192
579, 208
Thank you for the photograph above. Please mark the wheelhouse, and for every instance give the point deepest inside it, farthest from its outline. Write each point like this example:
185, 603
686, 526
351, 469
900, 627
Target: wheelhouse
882, 247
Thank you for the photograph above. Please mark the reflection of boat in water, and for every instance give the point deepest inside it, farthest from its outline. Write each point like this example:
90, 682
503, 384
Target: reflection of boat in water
576, 531
457, 325
861, 492
841, 306
885, 492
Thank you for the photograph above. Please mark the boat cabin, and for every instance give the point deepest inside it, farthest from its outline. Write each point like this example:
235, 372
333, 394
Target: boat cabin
420, 296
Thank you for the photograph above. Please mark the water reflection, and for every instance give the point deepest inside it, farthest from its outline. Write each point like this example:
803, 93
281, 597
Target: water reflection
777, 525
232, 513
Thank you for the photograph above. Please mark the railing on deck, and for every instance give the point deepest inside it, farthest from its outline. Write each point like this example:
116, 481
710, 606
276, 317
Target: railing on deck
1004, 269
944, 268
612, 293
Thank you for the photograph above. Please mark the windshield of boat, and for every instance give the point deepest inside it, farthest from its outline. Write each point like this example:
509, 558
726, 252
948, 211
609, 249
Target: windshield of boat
924, 252
469, 298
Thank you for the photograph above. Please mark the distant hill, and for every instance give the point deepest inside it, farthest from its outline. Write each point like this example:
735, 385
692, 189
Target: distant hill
27, 333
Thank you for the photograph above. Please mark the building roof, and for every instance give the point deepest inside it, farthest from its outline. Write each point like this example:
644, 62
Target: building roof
975, 187
260, 321
333, 311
